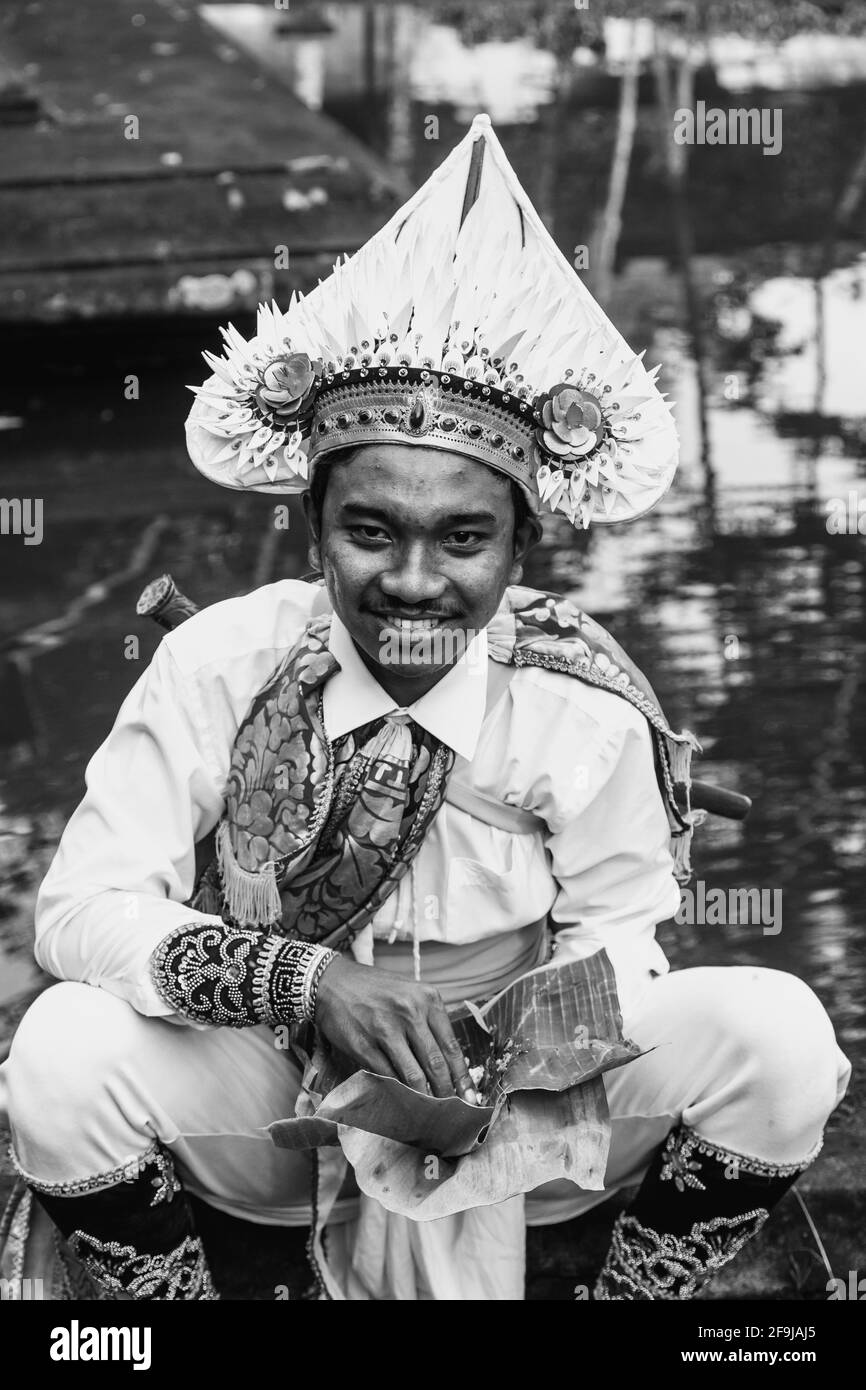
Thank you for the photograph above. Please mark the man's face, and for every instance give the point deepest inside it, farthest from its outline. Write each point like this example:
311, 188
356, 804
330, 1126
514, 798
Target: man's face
417, 547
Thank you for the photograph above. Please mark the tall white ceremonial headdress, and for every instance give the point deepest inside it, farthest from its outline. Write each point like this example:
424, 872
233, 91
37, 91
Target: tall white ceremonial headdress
461, 326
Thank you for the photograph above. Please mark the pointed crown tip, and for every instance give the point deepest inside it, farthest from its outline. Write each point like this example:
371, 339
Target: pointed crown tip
481, 122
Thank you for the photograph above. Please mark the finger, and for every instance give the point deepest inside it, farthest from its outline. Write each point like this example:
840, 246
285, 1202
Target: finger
356, 1055
378, 1063
406, 1066
429, 1054
440, 1027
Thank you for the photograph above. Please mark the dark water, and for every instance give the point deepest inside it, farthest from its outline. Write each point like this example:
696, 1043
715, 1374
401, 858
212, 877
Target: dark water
746, 611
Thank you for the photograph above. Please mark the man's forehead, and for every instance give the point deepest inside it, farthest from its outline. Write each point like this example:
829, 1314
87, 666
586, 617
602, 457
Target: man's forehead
399, 478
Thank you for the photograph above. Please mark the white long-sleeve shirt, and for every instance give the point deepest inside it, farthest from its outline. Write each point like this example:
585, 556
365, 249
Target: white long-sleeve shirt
579, 758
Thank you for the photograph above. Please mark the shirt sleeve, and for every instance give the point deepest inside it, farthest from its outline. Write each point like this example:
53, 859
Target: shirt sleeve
126, 861
609, 845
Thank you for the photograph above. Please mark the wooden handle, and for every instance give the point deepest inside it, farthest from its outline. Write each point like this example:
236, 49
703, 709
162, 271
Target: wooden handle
163, 601
717, 800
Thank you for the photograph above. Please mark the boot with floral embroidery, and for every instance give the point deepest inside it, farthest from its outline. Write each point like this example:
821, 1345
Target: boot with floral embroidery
130, 1232
697, 1207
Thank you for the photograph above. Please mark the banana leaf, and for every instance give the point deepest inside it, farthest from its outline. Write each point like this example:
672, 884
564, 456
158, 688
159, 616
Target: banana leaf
541, 1045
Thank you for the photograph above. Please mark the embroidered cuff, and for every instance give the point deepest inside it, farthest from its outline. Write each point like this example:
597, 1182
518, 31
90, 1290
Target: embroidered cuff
164, 1181
238, 978
682, 1144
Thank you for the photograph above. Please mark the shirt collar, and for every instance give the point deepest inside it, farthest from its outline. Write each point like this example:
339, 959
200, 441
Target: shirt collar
453, 711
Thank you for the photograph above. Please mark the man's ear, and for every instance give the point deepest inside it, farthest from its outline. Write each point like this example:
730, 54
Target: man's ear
314, 538
526, 535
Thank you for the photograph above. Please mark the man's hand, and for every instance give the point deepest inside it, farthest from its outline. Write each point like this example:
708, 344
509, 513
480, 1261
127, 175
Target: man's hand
393, 1027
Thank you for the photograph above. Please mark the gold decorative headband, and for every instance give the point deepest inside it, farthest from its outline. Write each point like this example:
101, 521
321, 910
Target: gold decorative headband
409, 406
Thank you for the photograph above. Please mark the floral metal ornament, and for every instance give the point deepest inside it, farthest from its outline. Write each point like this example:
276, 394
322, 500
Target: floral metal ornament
588, 464
572, 422
288, 386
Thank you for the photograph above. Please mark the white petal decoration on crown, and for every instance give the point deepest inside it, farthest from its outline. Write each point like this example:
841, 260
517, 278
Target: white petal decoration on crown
476, 290
246, 428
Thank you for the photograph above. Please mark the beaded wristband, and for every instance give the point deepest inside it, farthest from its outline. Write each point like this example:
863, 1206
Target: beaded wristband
224, 975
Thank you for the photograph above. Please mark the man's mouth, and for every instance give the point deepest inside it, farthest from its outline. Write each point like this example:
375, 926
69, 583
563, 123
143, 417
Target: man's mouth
419, 620
409, 624
422, 639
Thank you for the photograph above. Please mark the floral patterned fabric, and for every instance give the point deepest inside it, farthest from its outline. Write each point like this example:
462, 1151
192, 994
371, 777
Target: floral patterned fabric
331, 828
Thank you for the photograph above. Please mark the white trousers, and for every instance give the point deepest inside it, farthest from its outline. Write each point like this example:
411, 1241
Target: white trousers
747, 1057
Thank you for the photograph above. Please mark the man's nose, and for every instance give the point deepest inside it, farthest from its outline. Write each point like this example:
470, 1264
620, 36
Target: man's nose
412, 577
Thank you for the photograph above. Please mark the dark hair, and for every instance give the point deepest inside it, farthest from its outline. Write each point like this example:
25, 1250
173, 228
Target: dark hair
319, 486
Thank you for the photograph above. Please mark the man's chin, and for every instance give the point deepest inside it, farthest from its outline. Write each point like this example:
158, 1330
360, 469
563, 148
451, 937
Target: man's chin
414, 670
411, 666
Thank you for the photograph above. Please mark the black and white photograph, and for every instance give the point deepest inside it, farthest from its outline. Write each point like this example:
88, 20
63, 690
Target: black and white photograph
432, 656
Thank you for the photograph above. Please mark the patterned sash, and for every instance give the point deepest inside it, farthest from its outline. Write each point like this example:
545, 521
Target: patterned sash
317, 835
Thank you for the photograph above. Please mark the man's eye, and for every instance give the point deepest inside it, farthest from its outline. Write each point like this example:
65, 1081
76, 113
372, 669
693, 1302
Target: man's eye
369, 533
464, 539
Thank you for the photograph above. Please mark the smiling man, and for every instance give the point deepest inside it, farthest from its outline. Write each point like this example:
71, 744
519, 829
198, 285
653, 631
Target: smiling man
464, 530
347, 807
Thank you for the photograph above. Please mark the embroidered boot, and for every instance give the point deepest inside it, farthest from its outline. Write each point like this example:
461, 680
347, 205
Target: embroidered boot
697, 1207
135, 1237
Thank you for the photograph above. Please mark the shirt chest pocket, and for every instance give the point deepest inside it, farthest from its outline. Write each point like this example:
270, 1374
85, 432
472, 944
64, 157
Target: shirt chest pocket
482, 900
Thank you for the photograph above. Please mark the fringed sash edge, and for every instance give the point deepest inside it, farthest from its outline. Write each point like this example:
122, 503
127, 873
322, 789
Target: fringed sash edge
253, 899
